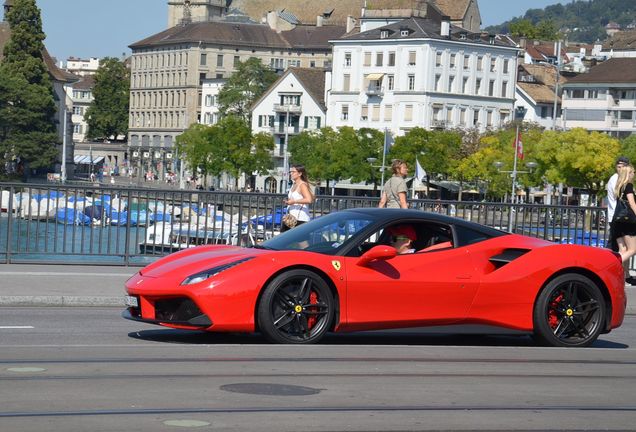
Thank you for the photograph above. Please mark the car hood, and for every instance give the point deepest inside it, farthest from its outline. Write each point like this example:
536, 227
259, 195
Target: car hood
194, 260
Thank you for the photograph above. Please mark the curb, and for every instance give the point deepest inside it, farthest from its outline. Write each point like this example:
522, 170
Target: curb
62, 301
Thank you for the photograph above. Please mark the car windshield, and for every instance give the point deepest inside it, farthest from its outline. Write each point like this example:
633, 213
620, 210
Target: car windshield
326, 234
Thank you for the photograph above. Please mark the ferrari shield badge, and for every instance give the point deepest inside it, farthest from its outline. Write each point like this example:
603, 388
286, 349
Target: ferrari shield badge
336, 264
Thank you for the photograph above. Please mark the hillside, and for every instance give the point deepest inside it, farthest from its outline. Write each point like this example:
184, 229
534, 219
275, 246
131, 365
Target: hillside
581, 20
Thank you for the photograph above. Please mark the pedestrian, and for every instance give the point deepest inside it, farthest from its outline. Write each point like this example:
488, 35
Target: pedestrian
395, 189
625, 230
298, 199
611, 201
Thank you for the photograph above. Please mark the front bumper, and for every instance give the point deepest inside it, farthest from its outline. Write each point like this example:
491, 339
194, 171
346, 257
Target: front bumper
174, 312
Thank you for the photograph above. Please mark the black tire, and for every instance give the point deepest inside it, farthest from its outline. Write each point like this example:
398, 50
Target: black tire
296, 308
569, 312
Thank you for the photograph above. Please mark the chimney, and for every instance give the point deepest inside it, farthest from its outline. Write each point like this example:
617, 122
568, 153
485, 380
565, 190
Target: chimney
319, 21
351, 23
523, 42
272, 20
445, 27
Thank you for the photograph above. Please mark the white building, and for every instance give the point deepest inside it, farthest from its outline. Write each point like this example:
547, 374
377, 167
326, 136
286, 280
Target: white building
536, 97
81, 95
294, 103
210, 89
82, 67
421, 72
604, 99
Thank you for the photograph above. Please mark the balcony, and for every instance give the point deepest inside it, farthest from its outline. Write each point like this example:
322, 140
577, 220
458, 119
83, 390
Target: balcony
439, 124
291, 130
287, 108
374, 91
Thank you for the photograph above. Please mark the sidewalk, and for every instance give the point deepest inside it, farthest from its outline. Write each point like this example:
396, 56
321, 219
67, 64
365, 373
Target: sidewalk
75, 285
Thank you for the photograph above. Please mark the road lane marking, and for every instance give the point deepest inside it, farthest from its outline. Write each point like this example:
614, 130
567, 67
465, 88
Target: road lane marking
15, 327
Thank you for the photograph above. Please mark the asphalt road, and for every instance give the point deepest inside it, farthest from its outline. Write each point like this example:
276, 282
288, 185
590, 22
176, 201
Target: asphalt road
87, 369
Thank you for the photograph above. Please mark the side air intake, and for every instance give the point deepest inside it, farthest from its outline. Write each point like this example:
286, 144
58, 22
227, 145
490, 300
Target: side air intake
507, 256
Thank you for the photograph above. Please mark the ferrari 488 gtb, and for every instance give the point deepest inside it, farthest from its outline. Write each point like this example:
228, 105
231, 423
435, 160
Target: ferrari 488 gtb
342, 272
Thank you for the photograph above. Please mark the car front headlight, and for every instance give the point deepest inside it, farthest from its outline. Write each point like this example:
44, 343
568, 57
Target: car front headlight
204, 275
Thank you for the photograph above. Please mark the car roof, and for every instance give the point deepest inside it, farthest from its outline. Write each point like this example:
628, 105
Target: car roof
413, 214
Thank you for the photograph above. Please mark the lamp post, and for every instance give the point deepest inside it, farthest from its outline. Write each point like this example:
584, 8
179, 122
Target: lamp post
513, 174
371, 161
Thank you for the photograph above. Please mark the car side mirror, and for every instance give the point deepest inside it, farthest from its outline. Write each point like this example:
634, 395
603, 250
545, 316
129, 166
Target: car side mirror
376, 253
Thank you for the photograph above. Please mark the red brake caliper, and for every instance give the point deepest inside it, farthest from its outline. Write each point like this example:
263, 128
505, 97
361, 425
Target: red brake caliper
313, 299
553, 319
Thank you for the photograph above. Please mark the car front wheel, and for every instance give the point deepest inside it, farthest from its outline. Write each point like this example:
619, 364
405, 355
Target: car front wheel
297, 307
569, 312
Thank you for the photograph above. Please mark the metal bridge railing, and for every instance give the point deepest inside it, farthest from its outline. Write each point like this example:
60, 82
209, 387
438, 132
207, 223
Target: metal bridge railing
133, 226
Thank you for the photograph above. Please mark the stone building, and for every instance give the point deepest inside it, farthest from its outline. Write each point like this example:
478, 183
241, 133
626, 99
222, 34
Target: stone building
169, 68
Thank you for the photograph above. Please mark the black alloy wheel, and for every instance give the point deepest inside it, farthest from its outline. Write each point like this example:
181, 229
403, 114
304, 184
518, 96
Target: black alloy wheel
297, 307
570, 312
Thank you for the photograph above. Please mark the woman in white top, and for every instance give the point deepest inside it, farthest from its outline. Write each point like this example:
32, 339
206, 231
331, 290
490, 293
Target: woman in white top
299, 196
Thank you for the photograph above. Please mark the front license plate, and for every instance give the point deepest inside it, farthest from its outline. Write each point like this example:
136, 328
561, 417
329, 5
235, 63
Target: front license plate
131, 301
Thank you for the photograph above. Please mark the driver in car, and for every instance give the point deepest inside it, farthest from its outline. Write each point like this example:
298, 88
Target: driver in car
401, 238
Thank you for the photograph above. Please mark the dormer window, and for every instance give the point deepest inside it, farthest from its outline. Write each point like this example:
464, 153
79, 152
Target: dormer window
384, 34
463, 36
404, 32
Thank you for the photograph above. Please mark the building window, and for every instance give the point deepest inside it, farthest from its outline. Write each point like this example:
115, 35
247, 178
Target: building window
344, 113
476, 117
77, 128
438, 83
237, 60
277, 63
390, 82
506, 65
504, 89
462, 117
364, 113
451, 84
408, 113
478, 86
577, 94
466, 62
404, 32
204, 59
412, 57
544, 112
493, 64
438, 58
489, 119
219, 60
77, 111
491, 88
411, 81
392, 58
346, 85
449, 115
375, 112
384, 34
465, 86
452, 60
379, 59
367, 59
480, 63
388, 113
208, 100
312, 122
347, 59
312, 64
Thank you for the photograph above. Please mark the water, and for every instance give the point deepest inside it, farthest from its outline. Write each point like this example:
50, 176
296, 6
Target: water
49, 241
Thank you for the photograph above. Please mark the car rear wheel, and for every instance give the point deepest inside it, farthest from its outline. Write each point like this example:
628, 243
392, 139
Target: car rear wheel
296, 308
569, 312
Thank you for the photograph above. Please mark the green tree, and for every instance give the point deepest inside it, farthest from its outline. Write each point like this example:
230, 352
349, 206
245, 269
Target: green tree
227, 146
27, 108
523, 28
247, 84
577, 158
108, 114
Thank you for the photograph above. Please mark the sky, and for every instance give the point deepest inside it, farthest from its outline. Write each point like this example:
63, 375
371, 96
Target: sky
101, 28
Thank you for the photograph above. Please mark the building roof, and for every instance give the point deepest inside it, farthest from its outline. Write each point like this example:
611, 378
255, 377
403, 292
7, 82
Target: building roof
544, 74
56, 73
540, 93
624, 41
614, 70
423, 28
245, 35
86, 82
338, 10
312, 80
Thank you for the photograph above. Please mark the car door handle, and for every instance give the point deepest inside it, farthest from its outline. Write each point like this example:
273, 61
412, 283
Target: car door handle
464, 276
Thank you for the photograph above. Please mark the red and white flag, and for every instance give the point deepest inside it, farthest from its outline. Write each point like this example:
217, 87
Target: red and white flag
518, 144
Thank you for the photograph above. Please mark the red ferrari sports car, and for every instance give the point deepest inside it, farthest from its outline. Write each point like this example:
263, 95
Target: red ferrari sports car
341, 272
